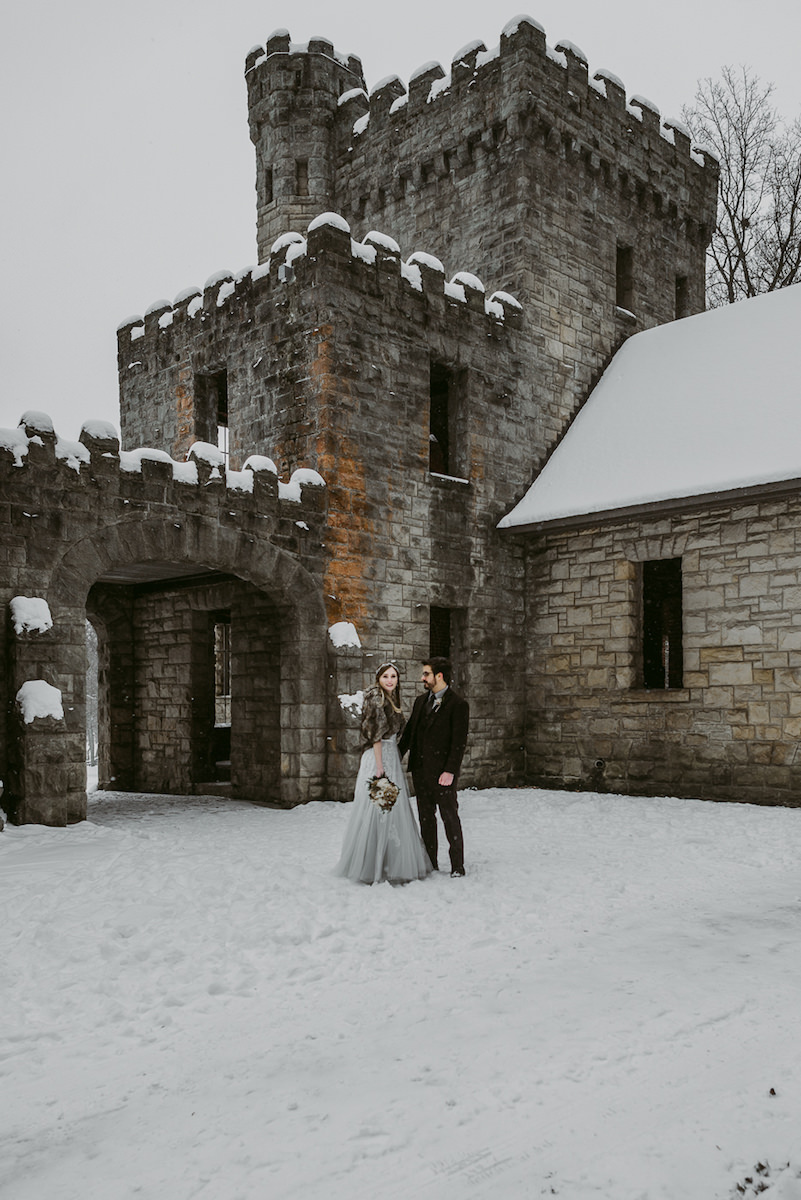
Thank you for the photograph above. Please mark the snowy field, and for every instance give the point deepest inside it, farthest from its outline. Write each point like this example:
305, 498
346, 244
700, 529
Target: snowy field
607, 1006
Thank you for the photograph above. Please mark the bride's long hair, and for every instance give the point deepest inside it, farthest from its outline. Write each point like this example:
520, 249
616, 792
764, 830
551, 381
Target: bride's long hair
393, 697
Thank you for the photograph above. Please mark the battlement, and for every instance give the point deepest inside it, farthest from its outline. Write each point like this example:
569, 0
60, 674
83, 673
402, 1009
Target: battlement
293, 260
523, 85
33, 457
498, 161
492, 76
279, 51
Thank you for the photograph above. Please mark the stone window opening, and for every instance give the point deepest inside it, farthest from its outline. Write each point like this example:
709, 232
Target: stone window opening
446, 387
215, 732
268, 185
682, 300
624, 278
92, 689
211, 409
439, 632
222, 667
446, 636
222, 437
662, 657
301, 177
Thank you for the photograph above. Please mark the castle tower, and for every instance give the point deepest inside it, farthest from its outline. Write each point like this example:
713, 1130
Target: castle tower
517, 162
293, 97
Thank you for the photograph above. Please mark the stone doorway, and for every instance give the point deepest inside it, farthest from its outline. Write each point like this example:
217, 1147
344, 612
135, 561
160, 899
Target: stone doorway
151, 588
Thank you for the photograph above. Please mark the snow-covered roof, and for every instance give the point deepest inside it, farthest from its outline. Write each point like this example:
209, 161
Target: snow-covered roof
708, 404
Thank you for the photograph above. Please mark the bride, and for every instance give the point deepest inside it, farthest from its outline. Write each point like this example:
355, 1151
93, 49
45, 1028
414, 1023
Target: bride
382, 841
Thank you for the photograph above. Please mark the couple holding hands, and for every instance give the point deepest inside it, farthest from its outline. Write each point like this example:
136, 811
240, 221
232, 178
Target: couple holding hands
382, 841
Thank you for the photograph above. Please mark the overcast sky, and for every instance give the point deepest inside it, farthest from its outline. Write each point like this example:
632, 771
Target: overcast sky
129, 173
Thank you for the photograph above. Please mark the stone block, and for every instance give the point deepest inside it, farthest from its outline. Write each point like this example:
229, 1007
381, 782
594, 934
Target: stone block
730, 673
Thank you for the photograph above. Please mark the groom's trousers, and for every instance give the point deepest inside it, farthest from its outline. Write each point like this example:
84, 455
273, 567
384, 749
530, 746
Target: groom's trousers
429, 798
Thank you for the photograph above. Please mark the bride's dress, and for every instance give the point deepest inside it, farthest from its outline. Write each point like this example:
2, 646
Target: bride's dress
382, 845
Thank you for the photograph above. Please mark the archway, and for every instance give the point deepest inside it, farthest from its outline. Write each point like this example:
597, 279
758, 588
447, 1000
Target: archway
156, 591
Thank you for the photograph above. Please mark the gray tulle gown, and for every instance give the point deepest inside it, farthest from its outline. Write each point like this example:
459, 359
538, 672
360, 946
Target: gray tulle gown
380, 845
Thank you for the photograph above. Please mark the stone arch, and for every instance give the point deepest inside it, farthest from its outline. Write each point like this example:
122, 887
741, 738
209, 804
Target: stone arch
281, 590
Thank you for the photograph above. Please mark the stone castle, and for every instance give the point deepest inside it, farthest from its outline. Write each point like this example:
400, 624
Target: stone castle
335, 434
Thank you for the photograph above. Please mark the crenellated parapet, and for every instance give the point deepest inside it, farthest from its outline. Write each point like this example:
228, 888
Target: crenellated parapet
267, 331
522, 89
408, 156
48, 480
564, 97
295, 260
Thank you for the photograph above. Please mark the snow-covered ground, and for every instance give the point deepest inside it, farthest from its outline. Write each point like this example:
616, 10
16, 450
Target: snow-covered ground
606, 1006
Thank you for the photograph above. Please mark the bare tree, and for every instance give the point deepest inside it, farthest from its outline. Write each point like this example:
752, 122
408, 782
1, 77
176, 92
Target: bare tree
756, 246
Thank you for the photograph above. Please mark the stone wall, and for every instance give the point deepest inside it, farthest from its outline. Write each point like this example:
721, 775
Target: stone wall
732, 731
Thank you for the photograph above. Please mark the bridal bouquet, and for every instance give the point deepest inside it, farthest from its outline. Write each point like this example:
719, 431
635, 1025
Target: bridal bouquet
383, 792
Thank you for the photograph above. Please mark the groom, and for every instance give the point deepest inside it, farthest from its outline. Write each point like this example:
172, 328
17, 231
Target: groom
436, 737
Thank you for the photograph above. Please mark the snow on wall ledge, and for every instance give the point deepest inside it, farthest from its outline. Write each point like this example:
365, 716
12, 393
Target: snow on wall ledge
327, 237
30, 614
39, 700
343, 635
34, 443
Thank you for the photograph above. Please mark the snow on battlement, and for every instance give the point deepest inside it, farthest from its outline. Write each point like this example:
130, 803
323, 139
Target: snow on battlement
279, 46
98, 459
565, 77
327, 241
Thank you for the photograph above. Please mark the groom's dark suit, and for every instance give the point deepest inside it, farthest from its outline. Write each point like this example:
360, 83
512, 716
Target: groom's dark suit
436, 739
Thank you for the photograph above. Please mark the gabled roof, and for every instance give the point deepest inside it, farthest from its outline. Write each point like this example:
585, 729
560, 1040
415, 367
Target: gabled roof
702, 406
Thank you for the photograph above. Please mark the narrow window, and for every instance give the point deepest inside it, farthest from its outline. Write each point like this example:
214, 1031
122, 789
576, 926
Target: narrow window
211, 409
439, 435
222, 668
439, 632
268, 185
661, 624
681, 297
301, 177
222, 413
222, 439
624, 278
92, 689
